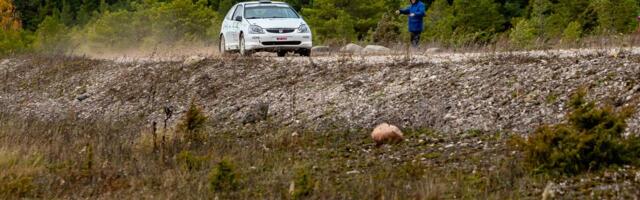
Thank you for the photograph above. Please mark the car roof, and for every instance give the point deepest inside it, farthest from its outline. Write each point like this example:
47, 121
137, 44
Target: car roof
259, 3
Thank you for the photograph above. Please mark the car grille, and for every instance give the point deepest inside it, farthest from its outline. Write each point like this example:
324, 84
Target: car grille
280, 30
282, 43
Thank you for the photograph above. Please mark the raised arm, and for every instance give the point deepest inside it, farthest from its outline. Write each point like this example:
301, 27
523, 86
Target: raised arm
404, 11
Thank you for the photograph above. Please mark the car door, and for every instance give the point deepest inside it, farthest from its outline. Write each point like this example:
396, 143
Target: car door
234, 27
226, 26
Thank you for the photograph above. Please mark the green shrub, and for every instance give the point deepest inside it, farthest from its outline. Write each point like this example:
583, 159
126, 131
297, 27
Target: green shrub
14, 41
117, 30
190, 162
52, 36
386, 32
591, 139
14, 186
572, 33
192, 124
223, 177
181, 20
303, 183
153, 24
523, 35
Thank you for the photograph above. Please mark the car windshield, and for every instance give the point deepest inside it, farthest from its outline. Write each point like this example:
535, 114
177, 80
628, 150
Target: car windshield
258, 12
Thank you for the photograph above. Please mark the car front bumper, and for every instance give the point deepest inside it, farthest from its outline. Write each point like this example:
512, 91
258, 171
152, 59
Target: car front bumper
275, 42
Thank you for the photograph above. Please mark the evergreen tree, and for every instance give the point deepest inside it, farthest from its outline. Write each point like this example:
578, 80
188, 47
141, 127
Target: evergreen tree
66, 16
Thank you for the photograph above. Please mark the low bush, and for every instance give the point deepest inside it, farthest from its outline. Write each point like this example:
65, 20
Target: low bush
192, 124
523, 35
591, 139
190, 162
14, 41
223, 177
52, 36
303, 183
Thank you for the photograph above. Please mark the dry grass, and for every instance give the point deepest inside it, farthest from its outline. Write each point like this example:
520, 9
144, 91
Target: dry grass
70, 158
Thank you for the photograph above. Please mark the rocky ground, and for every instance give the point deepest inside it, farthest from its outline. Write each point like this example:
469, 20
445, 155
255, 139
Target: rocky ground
493, 93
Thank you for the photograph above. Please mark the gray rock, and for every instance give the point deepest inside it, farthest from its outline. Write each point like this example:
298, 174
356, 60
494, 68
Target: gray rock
373, 49
320, 49
193, 60
351, 48
82, 97
256, 113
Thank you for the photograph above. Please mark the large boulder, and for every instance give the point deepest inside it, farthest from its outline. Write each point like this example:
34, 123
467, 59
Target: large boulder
351, 48
375, 49
385, 134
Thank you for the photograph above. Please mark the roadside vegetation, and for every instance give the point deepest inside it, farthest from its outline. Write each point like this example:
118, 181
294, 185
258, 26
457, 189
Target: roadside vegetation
100, 26
75, 158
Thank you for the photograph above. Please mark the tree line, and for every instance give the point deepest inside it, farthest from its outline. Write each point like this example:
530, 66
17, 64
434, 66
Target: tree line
55, 24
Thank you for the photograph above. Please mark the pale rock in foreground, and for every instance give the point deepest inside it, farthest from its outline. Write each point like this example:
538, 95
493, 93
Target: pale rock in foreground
549, 191
373, 49
193, 60
351, 48
433, 50
320, 49
385, 133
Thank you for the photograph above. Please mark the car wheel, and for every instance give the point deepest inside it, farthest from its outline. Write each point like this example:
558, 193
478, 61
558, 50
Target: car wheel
243, 48
222, 48
305, 52
282, 53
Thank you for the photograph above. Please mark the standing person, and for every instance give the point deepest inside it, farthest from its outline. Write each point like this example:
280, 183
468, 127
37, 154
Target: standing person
416, 12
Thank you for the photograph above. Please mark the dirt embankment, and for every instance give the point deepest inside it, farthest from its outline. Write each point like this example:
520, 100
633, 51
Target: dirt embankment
508, 92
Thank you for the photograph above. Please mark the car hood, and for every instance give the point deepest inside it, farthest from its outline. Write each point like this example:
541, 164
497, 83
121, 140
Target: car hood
277, 23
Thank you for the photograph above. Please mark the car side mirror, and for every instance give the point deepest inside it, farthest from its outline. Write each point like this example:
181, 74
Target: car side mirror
239, 18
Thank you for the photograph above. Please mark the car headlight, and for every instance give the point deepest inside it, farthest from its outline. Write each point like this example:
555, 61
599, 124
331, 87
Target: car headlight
254, 29
303, 28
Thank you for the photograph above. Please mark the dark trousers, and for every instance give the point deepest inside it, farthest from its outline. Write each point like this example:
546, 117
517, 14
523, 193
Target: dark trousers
415, 39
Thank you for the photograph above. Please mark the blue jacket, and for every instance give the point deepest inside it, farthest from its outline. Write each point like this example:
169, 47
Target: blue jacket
415, 22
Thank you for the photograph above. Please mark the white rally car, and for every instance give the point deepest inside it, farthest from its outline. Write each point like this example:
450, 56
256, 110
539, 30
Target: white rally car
265, 26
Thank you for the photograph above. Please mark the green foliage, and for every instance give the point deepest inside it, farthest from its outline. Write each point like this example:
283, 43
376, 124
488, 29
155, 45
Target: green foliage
153, 24
52, 36
439, 22
477, 20
119, 29
181, 20
121, 24
386, 31
14, 41
190, 162
590, 140
17, 173
572, 33
523, 35
329, 24
15, 186
193, 123
615, 16
223, 177
303, 183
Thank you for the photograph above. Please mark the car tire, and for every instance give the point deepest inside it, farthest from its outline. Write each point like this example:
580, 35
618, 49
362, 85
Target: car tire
242, 47
222, 45
282, 53
305, 52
